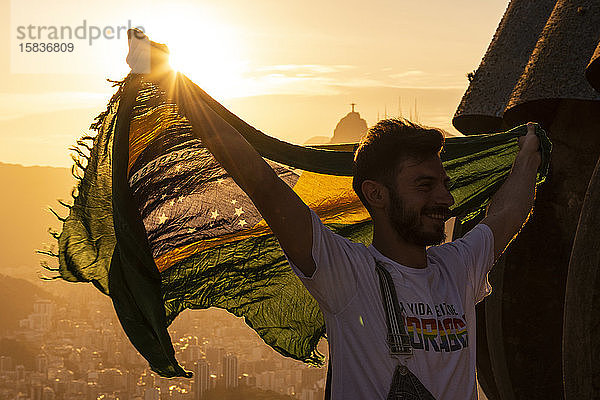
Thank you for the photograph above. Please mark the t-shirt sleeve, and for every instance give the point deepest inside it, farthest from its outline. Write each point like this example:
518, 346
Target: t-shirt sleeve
333, 283
476, 250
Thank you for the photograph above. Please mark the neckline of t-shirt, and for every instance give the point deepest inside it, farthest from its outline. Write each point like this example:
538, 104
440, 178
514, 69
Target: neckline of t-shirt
404, 268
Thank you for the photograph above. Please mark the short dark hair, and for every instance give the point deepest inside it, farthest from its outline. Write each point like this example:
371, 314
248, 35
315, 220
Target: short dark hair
386, 145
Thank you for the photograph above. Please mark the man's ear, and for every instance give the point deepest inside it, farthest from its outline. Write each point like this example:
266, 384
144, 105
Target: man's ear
375, 193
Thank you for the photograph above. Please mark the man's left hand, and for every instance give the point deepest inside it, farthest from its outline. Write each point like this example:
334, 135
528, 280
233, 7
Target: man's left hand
530, 143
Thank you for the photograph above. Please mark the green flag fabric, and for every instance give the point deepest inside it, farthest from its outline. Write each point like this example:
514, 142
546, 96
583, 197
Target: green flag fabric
159, 226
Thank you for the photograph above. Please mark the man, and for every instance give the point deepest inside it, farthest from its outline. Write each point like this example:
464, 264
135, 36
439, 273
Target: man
399, 177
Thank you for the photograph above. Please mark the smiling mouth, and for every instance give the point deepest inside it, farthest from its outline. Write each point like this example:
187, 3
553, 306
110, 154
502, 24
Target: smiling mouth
438, 216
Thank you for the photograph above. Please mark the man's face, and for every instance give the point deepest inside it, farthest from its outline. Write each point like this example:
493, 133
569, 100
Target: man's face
420, 201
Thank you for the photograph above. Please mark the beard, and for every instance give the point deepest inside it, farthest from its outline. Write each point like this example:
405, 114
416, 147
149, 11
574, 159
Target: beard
409, 225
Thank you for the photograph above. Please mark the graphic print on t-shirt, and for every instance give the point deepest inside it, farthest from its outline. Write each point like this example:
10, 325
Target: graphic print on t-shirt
439, 327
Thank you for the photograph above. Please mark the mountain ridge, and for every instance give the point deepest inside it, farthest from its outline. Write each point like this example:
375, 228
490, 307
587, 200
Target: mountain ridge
27, 193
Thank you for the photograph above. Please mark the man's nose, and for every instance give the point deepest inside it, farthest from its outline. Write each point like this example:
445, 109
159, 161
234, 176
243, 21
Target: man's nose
450, 198
445, 197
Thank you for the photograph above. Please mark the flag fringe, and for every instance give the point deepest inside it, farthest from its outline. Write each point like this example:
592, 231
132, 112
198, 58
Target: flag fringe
99, 120
64, 204
50, 278
75, 171
82, 143
83, 150
44, 264
61, 219
48, 253
80, 153
54, 233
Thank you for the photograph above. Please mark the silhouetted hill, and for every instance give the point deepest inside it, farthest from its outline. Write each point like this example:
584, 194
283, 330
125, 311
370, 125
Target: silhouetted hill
26, 194
350, 129
17, 296
318, 140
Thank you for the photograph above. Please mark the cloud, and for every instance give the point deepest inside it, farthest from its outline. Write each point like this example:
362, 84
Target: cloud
423, 80
317, 79
305, 68
314, 80
17, 105
407, 74
297, 84
361, 82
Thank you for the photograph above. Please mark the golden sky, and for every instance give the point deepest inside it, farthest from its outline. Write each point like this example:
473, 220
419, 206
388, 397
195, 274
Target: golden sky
289, 68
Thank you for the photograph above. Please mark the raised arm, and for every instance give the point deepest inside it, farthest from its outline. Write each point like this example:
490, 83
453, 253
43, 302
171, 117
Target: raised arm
512, 204
285, 213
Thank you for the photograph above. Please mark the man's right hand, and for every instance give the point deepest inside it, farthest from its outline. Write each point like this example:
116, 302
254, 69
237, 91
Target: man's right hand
148, 58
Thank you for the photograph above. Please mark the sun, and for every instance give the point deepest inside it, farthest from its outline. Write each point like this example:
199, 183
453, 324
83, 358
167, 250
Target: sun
208, 51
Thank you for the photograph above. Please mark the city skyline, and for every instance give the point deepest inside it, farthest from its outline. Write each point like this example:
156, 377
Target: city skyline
83, 354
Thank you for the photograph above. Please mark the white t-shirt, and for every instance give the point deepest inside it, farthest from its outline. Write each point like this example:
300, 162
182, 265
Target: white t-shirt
439, 305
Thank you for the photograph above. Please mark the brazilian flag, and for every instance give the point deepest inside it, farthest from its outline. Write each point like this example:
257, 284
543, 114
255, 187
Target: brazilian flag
159, 226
